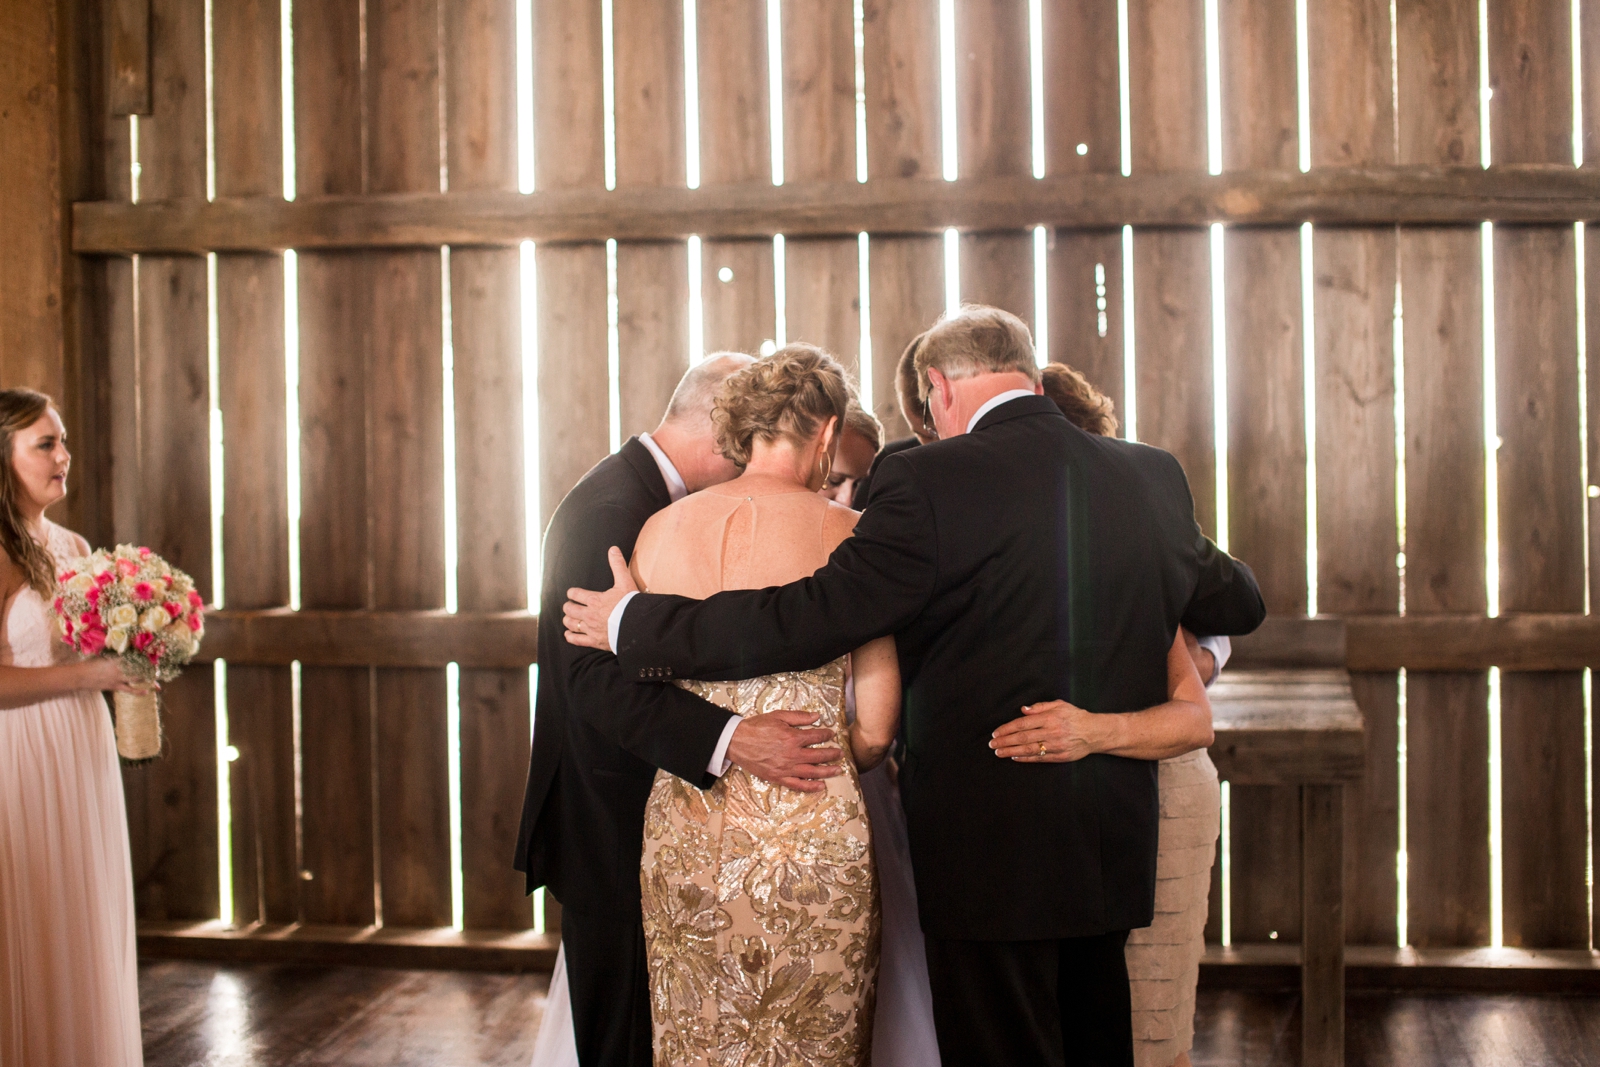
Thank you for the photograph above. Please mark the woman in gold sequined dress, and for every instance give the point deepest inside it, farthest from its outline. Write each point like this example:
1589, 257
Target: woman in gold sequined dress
760, 902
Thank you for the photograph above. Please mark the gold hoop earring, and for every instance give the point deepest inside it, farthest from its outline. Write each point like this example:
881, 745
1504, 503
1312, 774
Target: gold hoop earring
825, 465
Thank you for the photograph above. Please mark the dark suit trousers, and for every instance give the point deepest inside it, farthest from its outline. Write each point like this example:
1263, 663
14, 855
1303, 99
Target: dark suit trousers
609, 980
1062, 1003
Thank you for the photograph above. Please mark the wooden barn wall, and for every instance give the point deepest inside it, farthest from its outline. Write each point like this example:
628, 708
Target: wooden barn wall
1326, 387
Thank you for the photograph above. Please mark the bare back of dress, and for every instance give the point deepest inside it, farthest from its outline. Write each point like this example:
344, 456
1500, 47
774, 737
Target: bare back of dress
760, 902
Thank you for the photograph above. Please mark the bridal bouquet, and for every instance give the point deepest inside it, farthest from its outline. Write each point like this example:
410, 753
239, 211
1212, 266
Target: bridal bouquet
129, 603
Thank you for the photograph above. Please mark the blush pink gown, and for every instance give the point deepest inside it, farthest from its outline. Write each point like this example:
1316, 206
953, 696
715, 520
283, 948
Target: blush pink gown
68, 980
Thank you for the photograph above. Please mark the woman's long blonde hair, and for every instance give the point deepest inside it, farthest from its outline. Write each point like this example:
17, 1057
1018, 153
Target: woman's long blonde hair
19, 409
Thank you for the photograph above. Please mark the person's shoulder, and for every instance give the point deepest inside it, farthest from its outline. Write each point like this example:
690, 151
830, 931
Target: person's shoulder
838, 521
63, 540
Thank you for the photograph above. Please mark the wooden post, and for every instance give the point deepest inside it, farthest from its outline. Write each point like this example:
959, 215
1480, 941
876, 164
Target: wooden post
1322, 939
1447, 740
250, 339
737, 297
1084, 267
1540, 490
905, 274
1266, 421
486, 334
337, 841
1354, 274
175, 843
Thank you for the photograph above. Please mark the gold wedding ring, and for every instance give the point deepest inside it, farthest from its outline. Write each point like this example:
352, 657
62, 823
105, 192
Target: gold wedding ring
1042, 750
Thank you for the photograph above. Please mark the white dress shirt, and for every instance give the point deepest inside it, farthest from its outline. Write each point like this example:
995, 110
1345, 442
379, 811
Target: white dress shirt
994, 402
677, 490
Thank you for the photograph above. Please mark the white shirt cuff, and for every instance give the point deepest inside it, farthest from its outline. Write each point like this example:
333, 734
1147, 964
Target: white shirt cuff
614, 623
719, 756
1221, 648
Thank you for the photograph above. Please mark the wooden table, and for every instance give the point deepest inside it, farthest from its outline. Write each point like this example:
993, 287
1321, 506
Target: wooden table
1302, 728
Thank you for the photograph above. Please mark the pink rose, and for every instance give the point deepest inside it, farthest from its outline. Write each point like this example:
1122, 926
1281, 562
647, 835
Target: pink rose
67, 576
92, 643
194, 623
144, 553
143, 591
69, 629
87, 618
195, 601
57, 605
104, 578
127, 568
173, 609
143, 640
154, 657
93, 597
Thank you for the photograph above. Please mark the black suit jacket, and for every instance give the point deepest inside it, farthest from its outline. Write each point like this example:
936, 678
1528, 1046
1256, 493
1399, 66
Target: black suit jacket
598, 735
863, 492
1022, 562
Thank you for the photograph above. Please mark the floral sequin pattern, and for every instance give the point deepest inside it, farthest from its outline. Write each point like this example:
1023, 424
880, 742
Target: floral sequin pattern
761, 904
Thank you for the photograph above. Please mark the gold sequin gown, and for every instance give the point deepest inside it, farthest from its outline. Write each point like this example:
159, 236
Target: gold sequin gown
761, 912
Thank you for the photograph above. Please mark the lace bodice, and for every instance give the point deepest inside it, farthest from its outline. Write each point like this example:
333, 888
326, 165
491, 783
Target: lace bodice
28, 633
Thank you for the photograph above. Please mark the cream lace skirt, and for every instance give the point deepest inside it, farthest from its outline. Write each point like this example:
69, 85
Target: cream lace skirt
1164, 958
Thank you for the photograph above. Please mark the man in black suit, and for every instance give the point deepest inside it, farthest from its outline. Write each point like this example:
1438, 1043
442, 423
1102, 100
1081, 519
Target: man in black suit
1016, 560
599, 736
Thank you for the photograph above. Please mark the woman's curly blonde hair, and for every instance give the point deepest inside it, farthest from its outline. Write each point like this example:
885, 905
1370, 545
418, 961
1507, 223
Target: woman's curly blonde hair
790, 393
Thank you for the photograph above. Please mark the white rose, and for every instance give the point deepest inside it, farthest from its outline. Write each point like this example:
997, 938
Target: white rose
123, 615
117, 639
179, 639
153, 620
80, 584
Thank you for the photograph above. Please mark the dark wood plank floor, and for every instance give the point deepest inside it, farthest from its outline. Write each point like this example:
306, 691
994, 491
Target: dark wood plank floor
207, 1015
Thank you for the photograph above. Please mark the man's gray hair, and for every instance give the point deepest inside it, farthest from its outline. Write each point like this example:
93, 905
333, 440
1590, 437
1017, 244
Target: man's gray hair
697, 390
976, 339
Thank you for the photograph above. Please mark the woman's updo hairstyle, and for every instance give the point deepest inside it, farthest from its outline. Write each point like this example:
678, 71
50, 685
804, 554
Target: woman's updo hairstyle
790, 393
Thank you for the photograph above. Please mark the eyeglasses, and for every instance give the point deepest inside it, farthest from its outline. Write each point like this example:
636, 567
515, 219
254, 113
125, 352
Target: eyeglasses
927, 416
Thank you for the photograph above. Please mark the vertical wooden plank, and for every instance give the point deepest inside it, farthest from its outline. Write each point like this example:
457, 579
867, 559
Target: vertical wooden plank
175, 854
822, 285
900, 58
405, 429
336, 714
1540, 488
1541, 569
1083, 269
1172, 268
255, 531
994, 110
1447, 743
1354, 276
736, 289
128, 44
652, 277
574, 386
31, 342
486, 327
1323, 902
1592, 369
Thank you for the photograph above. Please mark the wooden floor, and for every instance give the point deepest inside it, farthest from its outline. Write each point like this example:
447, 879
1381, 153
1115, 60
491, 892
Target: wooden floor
254, 1016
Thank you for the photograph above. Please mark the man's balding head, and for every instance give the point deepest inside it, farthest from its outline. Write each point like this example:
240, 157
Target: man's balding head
691, 403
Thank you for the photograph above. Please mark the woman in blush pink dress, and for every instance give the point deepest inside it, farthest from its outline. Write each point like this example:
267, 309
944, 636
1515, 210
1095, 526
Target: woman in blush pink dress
68, 985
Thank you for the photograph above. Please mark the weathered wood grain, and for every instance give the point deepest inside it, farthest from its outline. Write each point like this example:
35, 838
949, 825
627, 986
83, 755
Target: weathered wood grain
333, 294
491, 513
1354, 275
128, 42
900, 58
993, 139
1424, 195
652, 278
739, 306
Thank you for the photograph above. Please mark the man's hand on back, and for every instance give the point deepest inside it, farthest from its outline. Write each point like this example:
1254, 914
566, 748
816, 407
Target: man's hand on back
773, 747
587, 613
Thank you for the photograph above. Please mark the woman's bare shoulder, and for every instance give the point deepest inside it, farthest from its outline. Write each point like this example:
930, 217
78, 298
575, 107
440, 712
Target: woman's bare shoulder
838, 523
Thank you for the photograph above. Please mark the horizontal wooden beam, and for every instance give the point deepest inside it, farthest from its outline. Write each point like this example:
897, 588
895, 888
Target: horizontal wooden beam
510, 640
1341, 196
1454, 643
373, 638
1276, 966
351, 946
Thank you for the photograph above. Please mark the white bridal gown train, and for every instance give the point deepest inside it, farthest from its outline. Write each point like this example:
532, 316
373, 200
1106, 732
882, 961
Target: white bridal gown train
902, 1030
